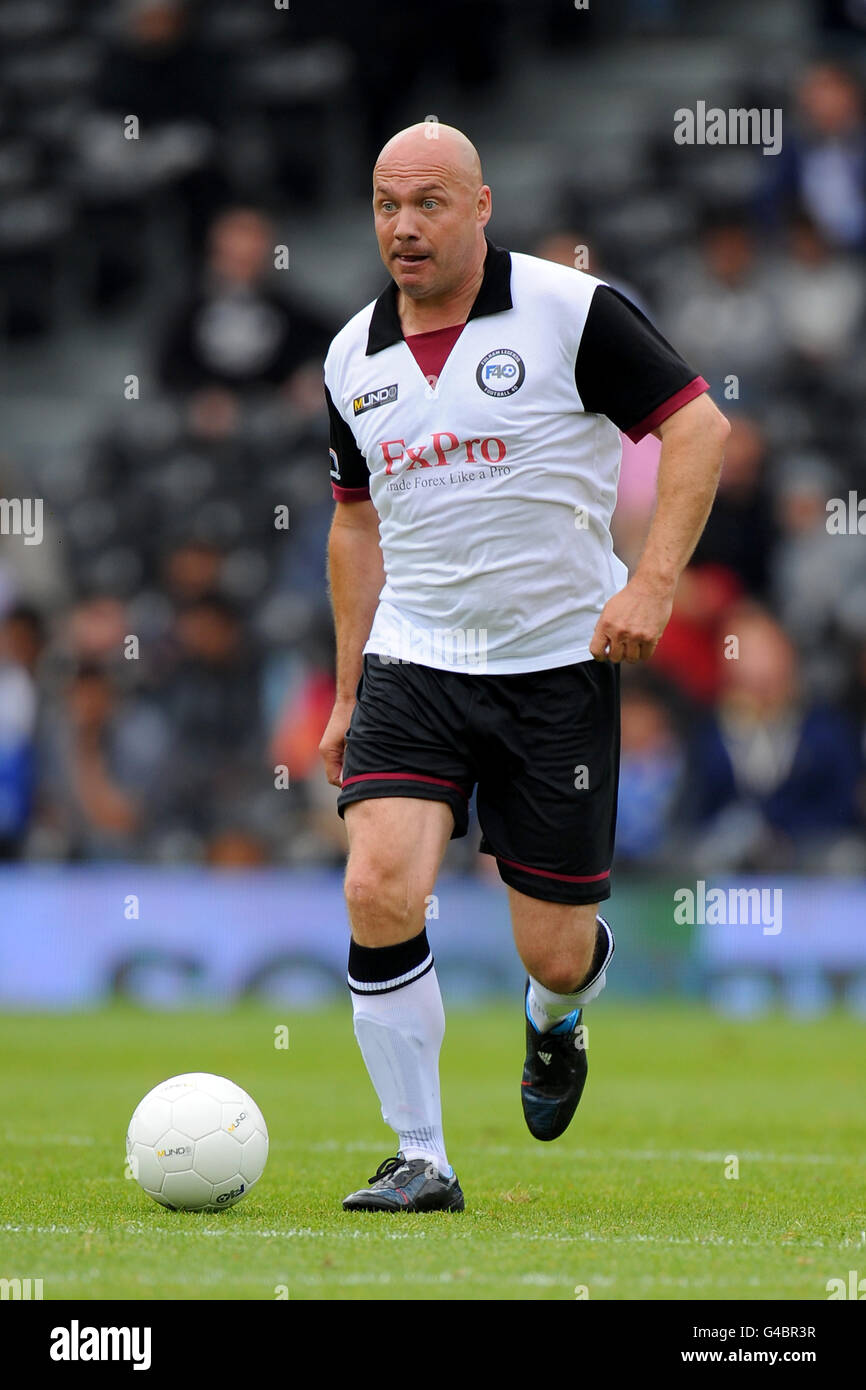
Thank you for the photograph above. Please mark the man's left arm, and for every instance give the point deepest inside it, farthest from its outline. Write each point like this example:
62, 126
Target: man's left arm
625, 369
633, 620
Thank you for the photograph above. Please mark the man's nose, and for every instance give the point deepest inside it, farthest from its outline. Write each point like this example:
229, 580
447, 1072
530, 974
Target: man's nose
407, 226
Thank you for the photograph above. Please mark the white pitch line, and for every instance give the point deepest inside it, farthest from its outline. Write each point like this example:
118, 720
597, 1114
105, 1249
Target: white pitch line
504, 1151
72, 1140
309, 1233
635, 1155
470, 1278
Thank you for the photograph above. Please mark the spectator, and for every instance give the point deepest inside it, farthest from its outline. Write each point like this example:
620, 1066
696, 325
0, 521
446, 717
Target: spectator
21, 642
821, 295
22, 637
691, 653
740, 533
236, 331
211, 696
813, 570
774, 777
210, 699
191, 570
652, 768
720, 311
101, 764
155, 66
822, 166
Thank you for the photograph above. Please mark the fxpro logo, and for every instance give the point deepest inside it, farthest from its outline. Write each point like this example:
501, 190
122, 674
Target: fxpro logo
76, 1343
500, 373
371, 399
444, 449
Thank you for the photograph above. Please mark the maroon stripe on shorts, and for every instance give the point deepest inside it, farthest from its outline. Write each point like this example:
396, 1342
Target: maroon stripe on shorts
403, 777
545, 873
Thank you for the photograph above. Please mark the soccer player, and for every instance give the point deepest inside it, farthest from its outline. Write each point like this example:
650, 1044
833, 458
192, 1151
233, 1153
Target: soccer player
481, 616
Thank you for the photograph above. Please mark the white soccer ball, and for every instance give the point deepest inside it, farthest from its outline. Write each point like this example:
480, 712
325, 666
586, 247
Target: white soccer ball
197, 1143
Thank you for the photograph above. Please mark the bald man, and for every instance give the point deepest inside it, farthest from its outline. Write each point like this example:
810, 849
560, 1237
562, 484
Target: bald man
481, 617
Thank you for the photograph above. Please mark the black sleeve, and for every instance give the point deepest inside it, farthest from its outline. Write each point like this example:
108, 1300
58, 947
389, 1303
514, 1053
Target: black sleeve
350, 477
626, 370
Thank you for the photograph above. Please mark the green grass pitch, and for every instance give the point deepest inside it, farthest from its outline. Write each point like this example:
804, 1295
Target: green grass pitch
633, 1202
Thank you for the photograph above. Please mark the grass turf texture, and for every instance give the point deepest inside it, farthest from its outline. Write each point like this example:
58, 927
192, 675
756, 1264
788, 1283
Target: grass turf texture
632, 1202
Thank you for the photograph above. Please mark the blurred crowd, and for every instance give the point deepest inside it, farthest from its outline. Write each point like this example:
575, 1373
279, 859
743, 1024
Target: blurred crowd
166, 653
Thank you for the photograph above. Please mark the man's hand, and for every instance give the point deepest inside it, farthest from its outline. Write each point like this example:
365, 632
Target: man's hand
333, 744
632, 622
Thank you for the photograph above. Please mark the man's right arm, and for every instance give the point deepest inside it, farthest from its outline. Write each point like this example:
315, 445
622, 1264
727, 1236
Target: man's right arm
356, 576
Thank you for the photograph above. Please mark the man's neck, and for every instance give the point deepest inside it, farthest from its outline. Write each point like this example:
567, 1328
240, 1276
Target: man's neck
426, 315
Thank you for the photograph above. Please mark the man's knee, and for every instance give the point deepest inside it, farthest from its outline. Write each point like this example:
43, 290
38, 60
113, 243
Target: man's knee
396, 846
383, 907
559, 949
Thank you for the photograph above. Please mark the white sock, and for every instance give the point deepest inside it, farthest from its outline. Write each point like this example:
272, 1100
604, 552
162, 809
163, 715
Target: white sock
546, 1008
400, 1024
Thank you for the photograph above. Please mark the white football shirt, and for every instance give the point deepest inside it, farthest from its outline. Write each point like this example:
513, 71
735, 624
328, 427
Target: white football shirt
495, 487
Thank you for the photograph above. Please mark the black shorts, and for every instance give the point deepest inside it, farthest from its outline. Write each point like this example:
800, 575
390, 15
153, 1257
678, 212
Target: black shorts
542, 747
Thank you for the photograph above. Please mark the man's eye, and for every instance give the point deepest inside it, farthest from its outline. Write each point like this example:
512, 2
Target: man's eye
429, 203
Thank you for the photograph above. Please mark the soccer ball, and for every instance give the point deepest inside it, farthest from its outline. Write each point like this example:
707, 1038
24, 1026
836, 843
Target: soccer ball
197, 1143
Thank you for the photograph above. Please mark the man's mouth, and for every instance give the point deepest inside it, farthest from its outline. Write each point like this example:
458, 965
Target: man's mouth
410, 257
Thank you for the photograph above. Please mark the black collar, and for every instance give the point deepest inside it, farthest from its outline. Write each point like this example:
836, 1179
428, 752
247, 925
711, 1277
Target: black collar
494, 296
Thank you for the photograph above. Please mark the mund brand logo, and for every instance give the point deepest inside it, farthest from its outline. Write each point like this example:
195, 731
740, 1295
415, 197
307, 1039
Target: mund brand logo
383, 396
169, 1153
